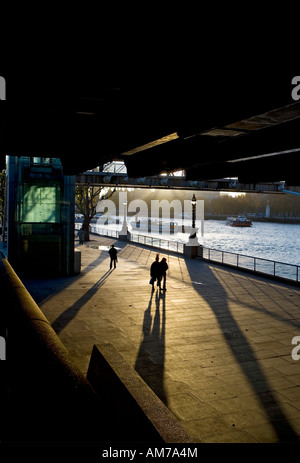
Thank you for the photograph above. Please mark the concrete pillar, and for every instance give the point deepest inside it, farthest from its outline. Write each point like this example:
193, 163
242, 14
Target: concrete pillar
124, 236
192, 248
77, 262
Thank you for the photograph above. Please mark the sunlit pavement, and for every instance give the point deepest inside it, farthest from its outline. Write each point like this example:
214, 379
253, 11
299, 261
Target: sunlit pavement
215, 347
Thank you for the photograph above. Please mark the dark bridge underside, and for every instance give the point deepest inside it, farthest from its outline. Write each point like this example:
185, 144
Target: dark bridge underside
214, 125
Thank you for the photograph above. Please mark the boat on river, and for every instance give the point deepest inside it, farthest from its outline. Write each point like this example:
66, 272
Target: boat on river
238, 221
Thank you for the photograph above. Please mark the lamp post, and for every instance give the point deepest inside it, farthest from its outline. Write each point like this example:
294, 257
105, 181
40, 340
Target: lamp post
125, 216
193, 203
124, 230
125, 211
192, 248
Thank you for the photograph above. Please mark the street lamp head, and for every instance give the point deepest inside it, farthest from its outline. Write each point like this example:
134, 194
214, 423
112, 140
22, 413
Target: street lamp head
193, 200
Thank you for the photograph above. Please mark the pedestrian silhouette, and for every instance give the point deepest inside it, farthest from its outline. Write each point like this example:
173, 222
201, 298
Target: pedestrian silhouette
163, 269
80, 235
113, 256
155, 272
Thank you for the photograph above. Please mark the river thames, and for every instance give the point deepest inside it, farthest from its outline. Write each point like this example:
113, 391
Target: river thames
266, 240
275, 241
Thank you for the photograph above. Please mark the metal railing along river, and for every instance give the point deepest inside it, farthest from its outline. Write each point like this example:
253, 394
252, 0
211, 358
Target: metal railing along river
254, 264
147, 240
161, 243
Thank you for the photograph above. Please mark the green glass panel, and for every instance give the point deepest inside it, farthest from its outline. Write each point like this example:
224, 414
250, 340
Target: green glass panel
40, 203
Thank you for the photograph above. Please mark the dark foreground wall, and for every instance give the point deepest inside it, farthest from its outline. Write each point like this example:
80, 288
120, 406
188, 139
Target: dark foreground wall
46, 399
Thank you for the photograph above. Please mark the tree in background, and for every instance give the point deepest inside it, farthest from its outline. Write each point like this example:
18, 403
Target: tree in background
282, 206
285, 206
86, 200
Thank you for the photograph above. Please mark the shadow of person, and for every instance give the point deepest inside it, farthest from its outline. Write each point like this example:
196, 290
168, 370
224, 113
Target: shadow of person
242, 350
150, 360
41, 288
65, 317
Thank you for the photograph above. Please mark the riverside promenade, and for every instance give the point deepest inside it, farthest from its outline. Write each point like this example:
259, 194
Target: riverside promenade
215, 347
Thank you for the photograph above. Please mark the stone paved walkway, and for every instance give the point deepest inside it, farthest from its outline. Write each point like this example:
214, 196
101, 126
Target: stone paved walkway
216, 347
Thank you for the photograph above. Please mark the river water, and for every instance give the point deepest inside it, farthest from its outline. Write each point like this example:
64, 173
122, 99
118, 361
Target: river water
266, 240
274, 241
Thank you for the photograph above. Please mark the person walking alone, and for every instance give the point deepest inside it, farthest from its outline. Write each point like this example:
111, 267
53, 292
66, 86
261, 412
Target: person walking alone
163, 269
80, 235
113, 256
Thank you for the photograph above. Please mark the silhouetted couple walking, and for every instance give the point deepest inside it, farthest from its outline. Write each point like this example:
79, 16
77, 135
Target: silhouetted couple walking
158, 272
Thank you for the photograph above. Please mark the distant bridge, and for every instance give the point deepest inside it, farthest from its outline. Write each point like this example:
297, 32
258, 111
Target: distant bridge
120, 179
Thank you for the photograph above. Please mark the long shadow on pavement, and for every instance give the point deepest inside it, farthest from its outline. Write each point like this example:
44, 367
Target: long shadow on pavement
41, 288
65, 317
151, 356
240, 348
